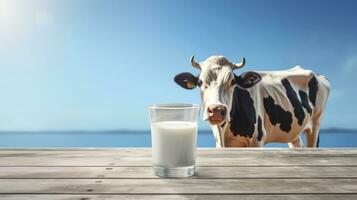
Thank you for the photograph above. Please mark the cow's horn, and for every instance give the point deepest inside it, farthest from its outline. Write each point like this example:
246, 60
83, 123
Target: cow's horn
194, 63
239, 65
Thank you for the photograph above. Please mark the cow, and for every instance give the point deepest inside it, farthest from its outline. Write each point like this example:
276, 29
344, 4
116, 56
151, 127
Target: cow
256, 108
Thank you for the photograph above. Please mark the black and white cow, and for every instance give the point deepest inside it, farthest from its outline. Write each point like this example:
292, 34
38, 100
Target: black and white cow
256, 108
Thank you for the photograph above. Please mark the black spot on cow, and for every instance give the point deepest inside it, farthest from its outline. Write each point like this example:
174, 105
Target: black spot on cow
277, 114
313, 87
243, 116
294, 100
260, 129
305, 101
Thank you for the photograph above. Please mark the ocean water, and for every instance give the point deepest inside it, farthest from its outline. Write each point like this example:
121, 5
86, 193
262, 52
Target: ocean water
137, 139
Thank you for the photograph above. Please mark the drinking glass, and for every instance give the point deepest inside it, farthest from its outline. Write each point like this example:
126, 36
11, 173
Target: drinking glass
174, 139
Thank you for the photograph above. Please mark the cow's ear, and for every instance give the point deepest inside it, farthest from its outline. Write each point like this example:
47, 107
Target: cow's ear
247, 79
186, 80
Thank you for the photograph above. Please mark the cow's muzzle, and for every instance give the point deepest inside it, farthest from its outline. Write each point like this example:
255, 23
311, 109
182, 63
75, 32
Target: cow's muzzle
216, 113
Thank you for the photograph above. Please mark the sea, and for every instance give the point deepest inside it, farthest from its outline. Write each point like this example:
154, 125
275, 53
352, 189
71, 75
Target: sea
130, 138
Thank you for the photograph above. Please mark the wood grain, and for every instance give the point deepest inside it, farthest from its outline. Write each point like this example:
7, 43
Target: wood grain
142, 157
125, 173
202, 172
179, 197
178, 186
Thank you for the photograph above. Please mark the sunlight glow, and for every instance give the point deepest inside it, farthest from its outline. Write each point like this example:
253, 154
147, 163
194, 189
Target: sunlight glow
14, 20
7, 13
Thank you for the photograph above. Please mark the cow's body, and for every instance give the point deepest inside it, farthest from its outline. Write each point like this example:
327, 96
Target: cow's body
256, 108
277, 109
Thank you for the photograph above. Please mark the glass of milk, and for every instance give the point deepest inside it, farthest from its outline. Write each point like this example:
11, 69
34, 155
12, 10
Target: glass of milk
174, 139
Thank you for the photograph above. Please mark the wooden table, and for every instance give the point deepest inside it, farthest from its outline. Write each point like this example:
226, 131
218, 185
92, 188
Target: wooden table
126, 173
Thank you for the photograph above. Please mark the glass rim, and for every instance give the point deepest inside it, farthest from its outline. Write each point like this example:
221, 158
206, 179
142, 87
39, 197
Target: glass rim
174, 106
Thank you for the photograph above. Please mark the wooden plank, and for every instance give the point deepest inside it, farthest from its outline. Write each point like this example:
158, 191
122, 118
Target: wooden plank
178, 186
202, 172
146, 152
140, 153
237, 160
178, 197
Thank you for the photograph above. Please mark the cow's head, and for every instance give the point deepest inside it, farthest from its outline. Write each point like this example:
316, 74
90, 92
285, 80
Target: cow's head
216, 82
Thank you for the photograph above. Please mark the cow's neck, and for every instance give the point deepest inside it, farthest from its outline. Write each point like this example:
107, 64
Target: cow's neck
225, 138
243, 113
239, 131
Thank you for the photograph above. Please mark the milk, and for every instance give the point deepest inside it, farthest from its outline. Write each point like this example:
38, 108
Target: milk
174, 143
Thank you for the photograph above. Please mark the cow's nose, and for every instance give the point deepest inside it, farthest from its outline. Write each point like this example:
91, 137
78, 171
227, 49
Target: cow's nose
217, 109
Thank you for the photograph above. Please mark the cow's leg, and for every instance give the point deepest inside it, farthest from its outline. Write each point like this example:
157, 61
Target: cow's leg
296, 143
313, 134
256, 143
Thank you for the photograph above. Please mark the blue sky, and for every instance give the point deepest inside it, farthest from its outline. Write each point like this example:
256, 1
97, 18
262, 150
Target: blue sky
72, 64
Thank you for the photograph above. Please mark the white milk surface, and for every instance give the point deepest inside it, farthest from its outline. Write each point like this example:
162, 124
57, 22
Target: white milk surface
174, 143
